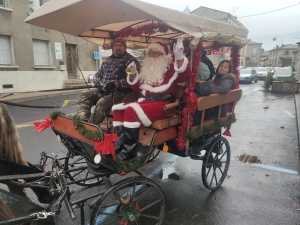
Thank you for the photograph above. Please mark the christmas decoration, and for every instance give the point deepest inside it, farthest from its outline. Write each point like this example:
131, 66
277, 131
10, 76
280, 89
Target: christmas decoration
107, 147
41, 126
56, 114
134, 213
165, 148
127, 166
83, 131
189, 98
235, 61
191, 135
145, 29
227, 132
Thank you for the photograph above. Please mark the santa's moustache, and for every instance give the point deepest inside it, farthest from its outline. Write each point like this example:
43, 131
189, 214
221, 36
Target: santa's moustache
153, 69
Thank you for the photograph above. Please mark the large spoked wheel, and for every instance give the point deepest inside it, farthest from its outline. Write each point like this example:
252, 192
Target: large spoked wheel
76, 170
154, 154
216, 164
136, 200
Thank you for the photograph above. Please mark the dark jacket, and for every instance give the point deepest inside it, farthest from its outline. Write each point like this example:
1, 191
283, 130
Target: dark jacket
221, 85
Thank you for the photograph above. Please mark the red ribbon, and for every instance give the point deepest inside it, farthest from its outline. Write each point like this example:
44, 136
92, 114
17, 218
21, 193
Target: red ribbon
227, 133
107, 146
41, 126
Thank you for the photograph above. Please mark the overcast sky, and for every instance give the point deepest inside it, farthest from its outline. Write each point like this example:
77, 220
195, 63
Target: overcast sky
284, 25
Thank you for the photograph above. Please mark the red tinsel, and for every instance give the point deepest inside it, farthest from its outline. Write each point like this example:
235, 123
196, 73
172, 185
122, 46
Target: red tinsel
41, 126
146, 29
190, 98
107, 146
235, 61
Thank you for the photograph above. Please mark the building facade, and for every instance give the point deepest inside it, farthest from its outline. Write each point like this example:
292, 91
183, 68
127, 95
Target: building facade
226, 18
252, 54
34, 58
282, 56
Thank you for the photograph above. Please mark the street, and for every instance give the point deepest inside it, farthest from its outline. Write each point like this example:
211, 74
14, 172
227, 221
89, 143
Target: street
266, 192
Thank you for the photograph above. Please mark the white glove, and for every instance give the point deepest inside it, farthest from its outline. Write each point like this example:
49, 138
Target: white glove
132, 66
178, 48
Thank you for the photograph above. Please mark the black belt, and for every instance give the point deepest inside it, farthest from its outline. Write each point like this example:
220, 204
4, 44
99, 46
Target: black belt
160, 97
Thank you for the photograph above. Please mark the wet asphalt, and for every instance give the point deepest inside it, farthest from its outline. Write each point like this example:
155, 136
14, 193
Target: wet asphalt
260, 193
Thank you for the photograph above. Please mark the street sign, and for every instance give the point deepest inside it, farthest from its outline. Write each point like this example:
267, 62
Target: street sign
96, 55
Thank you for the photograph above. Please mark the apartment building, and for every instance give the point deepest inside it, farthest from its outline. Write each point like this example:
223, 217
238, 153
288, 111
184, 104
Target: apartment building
226, 18
34, 58
252, 54
282, 56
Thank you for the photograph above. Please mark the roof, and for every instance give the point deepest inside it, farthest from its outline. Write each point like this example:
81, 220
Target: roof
97, 21
187, 10
285, 47
224, 15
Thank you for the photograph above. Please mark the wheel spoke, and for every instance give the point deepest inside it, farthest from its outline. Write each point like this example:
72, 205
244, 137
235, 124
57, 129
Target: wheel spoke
149, 205
77, 173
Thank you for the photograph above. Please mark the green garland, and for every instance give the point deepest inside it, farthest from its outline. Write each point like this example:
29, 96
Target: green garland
56, 114
217, 124
83, 131
125, 216
129, 166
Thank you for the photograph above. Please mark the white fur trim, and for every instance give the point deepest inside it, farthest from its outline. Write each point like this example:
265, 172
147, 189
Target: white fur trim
157, 47
117, 123
183, 67
132, 124
140, 100
136, 79
161, 88
137, 108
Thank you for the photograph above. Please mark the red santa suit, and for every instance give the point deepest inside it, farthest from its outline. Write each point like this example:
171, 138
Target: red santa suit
144, 112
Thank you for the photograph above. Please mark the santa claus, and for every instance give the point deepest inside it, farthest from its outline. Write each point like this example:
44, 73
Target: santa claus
157, 83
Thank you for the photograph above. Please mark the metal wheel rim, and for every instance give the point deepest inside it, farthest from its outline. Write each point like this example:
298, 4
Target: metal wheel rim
215, 172
79, 161
112, 208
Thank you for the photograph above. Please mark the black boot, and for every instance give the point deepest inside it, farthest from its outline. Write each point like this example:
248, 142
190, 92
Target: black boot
119, 130
131, 138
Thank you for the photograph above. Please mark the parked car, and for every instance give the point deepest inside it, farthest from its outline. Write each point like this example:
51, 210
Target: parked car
248, 75
263, 72
283, 72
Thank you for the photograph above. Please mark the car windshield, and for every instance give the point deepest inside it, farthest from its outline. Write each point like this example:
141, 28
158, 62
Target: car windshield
245, 71
262, 69
284, 71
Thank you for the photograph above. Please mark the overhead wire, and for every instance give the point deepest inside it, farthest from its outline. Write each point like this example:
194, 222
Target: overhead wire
269, 11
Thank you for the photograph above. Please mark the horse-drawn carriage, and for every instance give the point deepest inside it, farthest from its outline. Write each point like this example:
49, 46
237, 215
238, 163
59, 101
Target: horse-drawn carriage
137, 199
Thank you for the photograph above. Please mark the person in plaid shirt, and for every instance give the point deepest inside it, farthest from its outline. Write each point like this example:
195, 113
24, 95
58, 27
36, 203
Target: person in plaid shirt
111, 76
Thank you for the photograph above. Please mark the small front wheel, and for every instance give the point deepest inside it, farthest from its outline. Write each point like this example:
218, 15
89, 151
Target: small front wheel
136, 200
216, 164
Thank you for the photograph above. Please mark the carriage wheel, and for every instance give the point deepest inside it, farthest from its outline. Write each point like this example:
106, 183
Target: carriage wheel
216, 163
136, 200
154, 154
76, 170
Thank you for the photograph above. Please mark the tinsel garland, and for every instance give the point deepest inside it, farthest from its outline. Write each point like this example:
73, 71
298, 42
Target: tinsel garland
235, 61
96, 135
56, 114
129, 166
190, 98
190, 135
146, 29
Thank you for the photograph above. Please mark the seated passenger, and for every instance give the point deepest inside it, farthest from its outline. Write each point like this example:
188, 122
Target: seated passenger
204, 72
224, 81
157, 84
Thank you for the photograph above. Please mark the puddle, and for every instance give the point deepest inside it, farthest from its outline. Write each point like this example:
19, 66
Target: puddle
248, 159
266, 107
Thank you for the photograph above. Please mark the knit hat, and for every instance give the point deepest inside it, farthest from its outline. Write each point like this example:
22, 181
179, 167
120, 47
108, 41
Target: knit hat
120, 40
158, 46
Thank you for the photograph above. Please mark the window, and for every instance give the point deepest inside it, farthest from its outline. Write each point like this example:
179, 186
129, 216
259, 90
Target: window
254, 59
3, 3
275, 53
275, 61
41, 52
35, 4
247, 58
5, 50
254, 51
286, 52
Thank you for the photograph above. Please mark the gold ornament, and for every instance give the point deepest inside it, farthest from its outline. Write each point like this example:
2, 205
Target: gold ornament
165, 148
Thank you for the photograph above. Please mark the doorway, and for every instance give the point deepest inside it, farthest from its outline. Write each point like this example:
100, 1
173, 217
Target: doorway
70, 61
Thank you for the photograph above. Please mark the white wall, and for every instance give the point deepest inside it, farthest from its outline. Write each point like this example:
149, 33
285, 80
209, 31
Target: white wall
26, 81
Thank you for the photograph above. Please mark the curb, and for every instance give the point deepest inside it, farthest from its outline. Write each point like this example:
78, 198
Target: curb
21, 97
297, 113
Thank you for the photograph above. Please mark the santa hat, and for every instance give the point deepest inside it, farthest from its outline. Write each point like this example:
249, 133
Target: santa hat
158, 46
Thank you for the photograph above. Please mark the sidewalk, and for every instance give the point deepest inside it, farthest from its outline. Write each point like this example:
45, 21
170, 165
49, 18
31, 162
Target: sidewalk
25, 96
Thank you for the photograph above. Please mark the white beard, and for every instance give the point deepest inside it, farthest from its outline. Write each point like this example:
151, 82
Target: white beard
154, 69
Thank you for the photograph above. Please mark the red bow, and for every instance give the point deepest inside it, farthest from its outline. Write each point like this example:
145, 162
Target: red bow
41, 126
107, 146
